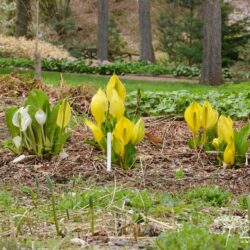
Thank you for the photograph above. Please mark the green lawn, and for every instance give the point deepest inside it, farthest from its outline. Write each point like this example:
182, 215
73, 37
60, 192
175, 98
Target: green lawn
53, 78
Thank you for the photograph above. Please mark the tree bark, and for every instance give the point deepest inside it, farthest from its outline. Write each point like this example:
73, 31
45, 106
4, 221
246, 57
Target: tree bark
146, 48
211, 60
22, 17
102, 33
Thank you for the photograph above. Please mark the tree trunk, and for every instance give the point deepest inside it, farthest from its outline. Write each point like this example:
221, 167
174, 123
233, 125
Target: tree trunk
22, 17
102, 33
146, 48
211, 61
37, 56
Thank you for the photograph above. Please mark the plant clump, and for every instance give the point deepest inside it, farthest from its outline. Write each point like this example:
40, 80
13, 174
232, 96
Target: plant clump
214, 132
108, 109
37, 127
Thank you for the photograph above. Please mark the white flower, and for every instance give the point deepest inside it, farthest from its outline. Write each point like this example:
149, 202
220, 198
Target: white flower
21, 119
17, 140
41, 117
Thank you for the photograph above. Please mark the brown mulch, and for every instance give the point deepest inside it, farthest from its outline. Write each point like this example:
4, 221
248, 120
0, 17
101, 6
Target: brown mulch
156, 168
163, 152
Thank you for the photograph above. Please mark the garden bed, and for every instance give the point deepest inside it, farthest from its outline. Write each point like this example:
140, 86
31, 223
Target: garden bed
158, 166
170, 187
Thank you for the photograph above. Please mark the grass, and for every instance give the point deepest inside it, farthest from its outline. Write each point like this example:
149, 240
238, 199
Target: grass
53, 78
27, 215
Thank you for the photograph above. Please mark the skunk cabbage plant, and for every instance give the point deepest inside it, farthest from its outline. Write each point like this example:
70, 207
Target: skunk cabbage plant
108, 110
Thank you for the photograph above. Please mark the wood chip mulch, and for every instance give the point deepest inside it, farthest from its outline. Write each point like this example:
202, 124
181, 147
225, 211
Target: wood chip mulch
162, 153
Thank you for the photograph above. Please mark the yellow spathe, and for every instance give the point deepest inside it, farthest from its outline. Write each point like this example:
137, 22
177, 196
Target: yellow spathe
209, 116
97, 132
64, 115
115, 84
138, 132
116, 105
225, 129
123, 130
192, 116
118, 146
99, 106
216, 143
229, 153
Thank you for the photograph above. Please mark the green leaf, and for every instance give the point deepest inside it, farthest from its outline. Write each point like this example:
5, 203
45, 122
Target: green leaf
241, 140
39, 100
50, 125
129, 156
60, 141
14, 131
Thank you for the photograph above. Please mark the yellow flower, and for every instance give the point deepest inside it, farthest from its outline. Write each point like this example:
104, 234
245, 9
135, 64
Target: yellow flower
225, 129
64, 115
118, 146
229, 153
123, 130
116, 107
192, 116
115, 84
216, 143
99, 106
97, 132
209, 116
138, 132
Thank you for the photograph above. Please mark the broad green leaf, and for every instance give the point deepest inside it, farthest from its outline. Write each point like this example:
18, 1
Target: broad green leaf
39, 100
50, 125
14, 131
60, 141
241, 140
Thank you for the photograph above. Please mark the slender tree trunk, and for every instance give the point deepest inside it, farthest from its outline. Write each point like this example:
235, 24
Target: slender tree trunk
211, 61
102, 33
146, 48
22, 17
37, 56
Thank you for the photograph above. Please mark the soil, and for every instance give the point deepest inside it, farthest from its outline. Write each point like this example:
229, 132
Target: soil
163, 152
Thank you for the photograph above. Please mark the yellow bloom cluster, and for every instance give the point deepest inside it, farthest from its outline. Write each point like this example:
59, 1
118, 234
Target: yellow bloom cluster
225, 133
206, 117
108, 109
198, 116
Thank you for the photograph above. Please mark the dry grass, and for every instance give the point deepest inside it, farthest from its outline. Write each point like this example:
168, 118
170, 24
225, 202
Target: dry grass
21, 47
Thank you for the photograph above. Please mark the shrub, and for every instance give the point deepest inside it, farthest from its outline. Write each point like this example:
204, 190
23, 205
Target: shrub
21, 47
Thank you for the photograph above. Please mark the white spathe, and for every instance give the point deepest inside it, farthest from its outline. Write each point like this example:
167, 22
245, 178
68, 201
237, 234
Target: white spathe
17, 140
41, 117
21, 119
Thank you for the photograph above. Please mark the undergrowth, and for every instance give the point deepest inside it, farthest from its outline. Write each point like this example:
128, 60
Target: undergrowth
84, 210
119, 67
